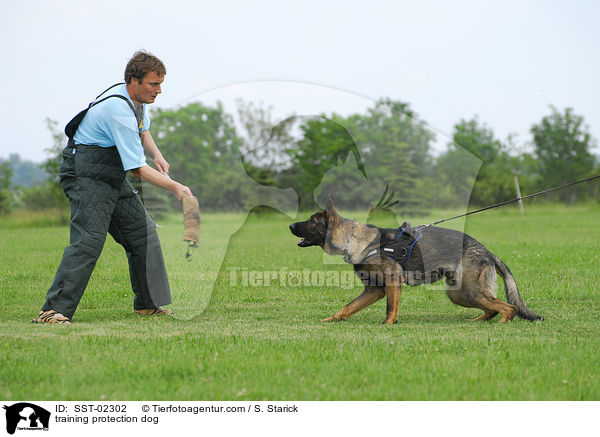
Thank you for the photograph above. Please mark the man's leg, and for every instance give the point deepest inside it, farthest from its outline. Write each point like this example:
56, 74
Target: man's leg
91, 202
132, 227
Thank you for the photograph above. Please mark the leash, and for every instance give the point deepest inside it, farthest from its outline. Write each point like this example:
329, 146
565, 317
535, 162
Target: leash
516, 199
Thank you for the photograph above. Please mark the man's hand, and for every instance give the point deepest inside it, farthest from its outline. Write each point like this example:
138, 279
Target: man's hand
160, 176
162, 180
150, 147
179, 189
161, 164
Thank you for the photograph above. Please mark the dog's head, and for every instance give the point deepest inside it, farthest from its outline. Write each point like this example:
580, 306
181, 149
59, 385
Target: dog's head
314, 231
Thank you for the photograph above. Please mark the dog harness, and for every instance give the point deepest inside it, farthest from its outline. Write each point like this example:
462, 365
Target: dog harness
400, 247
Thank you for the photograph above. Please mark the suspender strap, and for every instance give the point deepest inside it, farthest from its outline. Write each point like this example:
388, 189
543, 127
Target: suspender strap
71, 127
109, 88
108, 97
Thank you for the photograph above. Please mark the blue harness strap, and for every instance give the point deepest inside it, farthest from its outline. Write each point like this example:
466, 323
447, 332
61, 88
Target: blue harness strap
398, 249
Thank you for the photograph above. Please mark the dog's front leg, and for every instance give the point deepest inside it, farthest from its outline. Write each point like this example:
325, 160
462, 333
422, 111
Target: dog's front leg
369, 296
393, 302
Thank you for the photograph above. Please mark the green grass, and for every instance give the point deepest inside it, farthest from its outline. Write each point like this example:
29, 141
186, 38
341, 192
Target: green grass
240, 342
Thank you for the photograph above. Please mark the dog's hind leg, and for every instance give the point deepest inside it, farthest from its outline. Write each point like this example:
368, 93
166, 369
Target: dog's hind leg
368, 296
478, 298
477, 290
495, 305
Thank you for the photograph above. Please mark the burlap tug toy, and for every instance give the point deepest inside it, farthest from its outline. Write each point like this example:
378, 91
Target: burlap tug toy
191, 223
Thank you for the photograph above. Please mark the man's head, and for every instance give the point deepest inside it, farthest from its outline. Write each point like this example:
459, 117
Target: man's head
143, 75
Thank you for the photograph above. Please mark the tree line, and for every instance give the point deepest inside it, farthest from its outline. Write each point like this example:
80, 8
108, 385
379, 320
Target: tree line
224, 158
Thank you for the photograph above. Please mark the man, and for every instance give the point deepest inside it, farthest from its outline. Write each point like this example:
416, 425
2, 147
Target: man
105, 142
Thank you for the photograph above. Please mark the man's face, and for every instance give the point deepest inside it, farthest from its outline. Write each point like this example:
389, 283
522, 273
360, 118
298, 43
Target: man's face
146, 90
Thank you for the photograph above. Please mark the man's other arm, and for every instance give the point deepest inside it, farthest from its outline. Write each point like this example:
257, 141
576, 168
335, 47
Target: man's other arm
151, 148
148, 174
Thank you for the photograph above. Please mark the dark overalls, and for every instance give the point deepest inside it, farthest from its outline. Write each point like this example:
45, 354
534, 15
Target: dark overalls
102, 201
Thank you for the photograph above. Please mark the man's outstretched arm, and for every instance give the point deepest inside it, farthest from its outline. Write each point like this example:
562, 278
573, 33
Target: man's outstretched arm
148, 174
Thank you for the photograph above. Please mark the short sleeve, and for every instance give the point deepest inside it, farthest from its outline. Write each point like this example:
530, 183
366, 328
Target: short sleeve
122, 127
146, 124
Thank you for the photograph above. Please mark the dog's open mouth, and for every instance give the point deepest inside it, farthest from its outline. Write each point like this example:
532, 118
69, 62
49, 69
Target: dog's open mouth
305, 243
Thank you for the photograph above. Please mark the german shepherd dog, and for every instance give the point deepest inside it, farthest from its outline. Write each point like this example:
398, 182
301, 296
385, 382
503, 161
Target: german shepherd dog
467, 266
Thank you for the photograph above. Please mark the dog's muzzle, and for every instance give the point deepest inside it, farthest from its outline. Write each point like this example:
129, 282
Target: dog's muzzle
304, 242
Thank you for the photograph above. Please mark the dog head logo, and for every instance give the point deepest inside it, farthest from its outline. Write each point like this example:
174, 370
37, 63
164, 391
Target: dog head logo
312, 156
25, 416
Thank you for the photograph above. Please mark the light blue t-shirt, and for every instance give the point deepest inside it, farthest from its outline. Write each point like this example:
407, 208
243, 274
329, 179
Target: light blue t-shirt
113, 123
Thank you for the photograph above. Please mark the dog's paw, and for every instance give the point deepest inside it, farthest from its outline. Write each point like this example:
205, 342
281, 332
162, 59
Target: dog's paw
333, 319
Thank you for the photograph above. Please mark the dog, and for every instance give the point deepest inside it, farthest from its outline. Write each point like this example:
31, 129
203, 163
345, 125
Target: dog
467, 266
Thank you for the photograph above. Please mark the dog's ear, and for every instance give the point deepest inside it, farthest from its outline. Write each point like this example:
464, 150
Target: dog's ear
330, 213
329, 207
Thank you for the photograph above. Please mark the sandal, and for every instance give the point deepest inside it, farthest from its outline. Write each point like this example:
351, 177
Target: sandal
160, 311
51, 316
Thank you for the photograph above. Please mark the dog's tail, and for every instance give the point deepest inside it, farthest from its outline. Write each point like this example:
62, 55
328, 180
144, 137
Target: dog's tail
512, 292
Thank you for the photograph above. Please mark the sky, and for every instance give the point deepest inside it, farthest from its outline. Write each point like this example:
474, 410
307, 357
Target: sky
505, 62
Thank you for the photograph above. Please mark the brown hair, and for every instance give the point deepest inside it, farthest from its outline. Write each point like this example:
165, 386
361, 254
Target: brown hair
142, 63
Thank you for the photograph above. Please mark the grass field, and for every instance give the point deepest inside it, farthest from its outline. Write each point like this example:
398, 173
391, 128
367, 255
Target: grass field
247, 340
